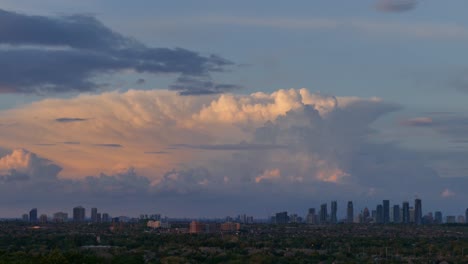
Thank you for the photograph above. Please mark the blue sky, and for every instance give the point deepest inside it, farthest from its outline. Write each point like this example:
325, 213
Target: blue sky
410, 57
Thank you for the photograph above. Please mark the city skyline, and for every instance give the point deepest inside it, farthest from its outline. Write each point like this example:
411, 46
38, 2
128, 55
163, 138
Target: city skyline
383, 213
211, 109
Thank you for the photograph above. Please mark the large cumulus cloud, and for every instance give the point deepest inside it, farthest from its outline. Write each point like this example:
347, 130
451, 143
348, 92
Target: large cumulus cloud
287, 149
70, 53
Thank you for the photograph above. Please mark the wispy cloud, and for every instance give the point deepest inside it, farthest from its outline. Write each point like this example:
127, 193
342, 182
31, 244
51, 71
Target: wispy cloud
110, 145
70, 119
376, 27
395, 5
241, 146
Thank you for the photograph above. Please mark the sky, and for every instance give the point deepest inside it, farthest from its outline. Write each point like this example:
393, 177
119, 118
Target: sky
214, 108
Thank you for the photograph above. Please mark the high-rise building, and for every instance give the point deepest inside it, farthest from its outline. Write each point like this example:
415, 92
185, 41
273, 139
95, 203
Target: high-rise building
79, 214
334, 209
438, 217
451, 219
94, 215
466, 216
99, 218
282, 218
396, 214
25, 217
311, 216
405, 213
366, 215
323, 213
105, 218
461, 219
386, 211
350, 212
43, 218
60, 217
379, 214
33, 215
417, 211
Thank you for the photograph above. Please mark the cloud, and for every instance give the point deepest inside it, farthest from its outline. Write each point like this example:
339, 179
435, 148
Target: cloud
21, 164
418, 121
71, 143
379, 28
228, 147
64, 54
396, 5
70, 119
268, 175
294, 146
109, 145
156, 152
188, 85
446, 193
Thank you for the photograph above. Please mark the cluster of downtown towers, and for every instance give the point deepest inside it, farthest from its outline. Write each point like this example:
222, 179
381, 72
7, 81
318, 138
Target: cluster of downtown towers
383, 214
79, 215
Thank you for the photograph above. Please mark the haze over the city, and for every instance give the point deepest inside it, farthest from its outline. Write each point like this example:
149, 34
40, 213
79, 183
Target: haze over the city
215, 108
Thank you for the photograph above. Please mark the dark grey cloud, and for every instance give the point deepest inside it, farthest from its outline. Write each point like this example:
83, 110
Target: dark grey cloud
71, 143
110, 145
70, 119
455, 126
240, 146
156, 152
63, 54
140, 81
396, 5
190, 85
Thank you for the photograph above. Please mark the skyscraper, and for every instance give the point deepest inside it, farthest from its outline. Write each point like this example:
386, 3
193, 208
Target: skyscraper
396, 214
33, 215
466, 215
323, 213
311, 216
282, 218
350, 212
78, 214
406, 216
438, 217
379, 214
334, 209
94, 215
365, 215
417, 211
105, 217
386, 211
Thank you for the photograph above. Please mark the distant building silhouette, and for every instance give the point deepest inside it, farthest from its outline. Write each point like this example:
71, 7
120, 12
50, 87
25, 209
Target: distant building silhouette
334, 209
323, 213
311, 216
366, 215
282, 218
466, 216
350, 212
33, 215
438, 217
386, 211
25, 217
94, 215
43, 219
379, 214
60, 217
105, 218
396, 214
79, 214
417, 211
405, 213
